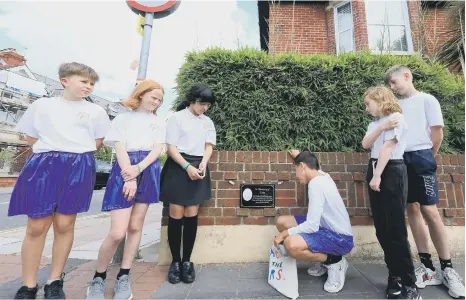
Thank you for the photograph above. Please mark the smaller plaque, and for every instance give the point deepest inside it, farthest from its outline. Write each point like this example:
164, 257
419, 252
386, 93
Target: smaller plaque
257, 195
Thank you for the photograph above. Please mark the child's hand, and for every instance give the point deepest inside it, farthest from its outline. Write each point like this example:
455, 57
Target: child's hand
201, 170
130, 173
278, 240
129, 189
389, 123
193, 173
375, 183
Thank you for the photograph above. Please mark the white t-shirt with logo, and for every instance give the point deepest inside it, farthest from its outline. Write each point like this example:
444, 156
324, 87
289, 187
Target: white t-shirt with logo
399, 132
326, 208
138, 130
63, 125
421, 112
190, 133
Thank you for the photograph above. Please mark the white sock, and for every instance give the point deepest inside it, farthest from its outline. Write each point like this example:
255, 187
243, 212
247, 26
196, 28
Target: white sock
52, 280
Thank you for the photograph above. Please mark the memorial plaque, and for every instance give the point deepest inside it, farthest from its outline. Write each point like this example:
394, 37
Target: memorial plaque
257, 195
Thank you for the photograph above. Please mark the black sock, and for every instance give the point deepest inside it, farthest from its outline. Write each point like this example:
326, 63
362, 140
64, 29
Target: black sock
445, 263
332, 259
426, 260
122, 272
174, 237
102, 275
189, 236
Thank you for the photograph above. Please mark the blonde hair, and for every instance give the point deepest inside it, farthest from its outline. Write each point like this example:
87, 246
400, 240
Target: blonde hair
74, 68
385, 98
145, 86
395, 70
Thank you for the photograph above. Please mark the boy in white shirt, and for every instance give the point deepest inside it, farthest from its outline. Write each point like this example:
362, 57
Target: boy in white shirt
58, 179
325, 234
425, 122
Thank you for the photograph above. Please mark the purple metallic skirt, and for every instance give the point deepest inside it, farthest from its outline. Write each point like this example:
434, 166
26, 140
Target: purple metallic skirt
52, 182
148, 183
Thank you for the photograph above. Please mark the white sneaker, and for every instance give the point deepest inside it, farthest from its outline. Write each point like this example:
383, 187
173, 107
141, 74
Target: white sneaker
426, 276
336, 276
317, 270
452, 280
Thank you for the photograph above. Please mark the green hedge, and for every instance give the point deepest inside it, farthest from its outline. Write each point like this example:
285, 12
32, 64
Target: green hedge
307, 102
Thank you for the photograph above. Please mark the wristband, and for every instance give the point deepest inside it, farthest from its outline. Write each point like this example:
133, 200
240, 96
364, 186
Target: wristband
139, 168
185, 165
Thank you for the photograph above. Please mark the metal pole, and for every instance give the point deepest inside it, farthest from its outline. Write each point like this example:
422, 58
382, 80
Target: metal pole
142, 72
145, 47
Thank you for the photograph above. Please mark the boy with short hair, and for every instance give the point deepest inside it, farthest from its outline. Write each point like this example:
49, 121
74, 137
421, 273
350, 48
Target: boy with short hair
425, 134
58, 179
325, 234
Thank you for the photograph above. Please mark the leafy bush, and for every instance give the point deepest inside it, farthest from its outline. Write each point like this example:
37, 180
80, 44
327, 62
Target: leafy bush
314, 101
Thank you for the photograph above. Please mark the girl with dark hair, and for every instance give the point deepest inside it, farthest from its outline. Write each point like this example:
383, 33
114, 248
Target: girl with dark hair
185, 180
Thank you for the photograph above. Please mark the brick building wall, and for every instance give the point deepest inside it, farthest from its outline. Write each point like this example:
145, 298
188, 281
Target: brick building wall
332, 47
304, 33
347, 169
361, 39
314, 27
435, 24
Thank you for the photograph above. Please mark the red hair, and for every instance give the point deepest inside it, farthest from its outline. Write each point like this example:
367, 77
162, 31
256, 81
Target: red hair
142, 88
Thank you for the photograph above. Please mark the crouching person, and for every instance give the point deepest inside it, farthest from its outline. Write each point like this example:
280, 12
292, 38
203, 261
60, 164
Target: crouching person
324, 235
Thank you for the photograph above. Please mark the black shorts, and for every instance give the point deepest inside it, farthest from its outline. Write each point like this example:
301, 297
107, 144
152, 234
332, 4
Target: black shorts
422, 177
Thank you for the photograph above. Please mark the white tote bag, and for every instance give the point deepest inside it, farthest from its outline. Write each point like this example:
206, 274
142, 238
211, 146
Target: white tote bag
283, 275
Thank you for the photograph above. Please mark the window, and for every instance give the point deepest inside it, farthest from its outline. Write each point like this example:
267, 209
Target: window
388, 26
344, 28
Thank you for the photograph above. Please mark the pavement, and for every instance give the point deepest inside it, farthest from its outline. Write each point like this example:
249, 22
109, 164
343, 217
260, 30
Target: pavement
216, 281
91, 229
364, 280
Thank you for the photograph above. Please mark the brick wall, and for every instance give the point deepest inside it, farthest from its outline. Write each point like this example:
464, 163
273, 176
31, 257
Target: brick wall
347, 169
330, 15
436, 28
361, 39
309, 28
314, 27
7, 181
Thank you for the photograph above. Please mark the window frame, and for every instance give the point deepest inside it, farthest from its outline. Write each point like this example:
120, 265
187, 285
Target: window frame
337, 33
409, 38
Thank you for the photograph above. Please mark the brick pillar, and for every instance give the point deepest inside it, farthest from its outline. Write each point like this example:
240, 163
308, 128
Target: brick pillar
330, 14
361, 39
415, 24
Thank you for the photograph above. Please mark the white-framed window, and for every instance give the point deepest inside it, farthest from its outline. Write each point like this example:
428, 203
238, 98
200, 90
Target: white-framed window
388, 27
344, 29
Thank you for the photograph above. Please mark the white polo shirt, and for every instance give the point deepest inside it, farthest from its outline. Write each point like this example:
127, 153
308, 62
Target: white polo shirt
421, 112
138, 130
190, 133
63, 125
399, 133
326, 208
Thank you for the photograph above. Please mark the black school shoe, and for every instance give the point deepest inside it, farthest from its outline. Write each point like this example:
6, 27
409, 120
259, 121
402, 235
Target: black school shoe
188, 275
410, 292
26, 293
393, 287
174, 273
55, 289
